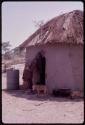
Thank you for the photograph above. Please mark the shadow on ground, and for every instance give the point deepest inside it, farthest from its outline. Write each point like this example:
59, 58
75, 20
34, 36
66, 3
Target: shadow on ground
34, 97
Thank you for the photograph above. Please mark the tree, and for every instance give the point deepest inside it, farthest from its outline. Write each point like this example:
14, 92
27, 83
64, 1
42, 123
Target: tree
39, 24
6, 46
6, 49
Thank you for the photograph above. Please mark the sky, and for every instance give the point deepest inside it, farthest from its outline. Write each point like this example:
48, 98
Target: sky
18, 17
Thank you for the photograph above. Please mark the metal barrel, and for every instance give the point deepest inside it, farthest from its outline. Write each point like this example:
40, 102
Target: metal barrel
12, 79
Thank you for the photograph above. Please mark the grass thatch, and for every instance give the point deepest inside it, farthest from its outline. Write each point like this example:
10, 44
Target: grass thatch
66, 28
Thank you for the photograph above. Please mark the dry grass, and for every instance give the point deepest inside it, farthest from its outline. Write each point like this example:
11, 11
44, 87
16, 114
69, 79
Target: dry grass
66, 28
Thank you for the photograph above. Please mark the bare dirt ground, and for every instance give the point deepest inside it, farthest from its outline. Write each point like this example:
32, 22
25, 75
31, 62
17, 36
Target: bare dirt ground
20, 107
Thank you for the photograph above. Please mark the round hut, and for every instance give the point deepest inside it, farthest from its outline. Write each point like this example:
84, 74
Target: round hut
62, 41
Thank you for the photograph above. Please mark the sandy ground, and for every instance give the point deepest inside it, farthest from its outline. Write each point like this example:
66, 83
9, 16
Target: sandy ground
20, 107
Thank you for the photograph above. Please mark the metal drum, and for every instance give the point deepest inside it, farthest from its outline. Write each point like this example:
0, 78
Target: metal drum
12, 79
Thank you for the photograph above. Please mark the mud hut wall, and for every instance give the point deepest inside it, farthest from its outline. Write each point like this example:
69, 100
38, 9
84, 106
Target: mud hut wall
76, 58
64, 65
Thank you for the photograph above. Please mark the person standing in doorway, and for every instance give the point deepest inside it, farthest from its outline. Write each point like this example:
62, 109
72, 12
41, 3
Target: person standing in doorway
27, 77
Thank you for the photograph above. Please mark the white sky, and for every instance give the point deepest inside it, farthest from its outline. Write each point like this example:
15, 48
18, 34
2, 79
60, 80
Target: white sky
18, 17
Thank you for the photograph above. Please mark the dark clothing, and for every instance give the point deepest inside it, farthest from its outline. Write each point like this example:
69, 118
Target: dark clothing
35, 72
27, 77
30, 83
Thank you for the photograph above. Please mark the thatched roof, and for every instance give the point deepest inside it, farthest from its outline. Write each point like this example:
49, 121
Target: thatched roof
66, 28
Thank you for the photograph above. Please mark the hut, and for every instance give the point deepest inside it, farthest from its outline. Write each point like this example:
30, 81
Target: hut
61, 38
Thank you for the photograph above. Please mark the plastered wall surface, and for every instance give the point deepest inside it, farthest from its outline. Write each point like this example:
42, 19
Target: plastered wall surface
64, 65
